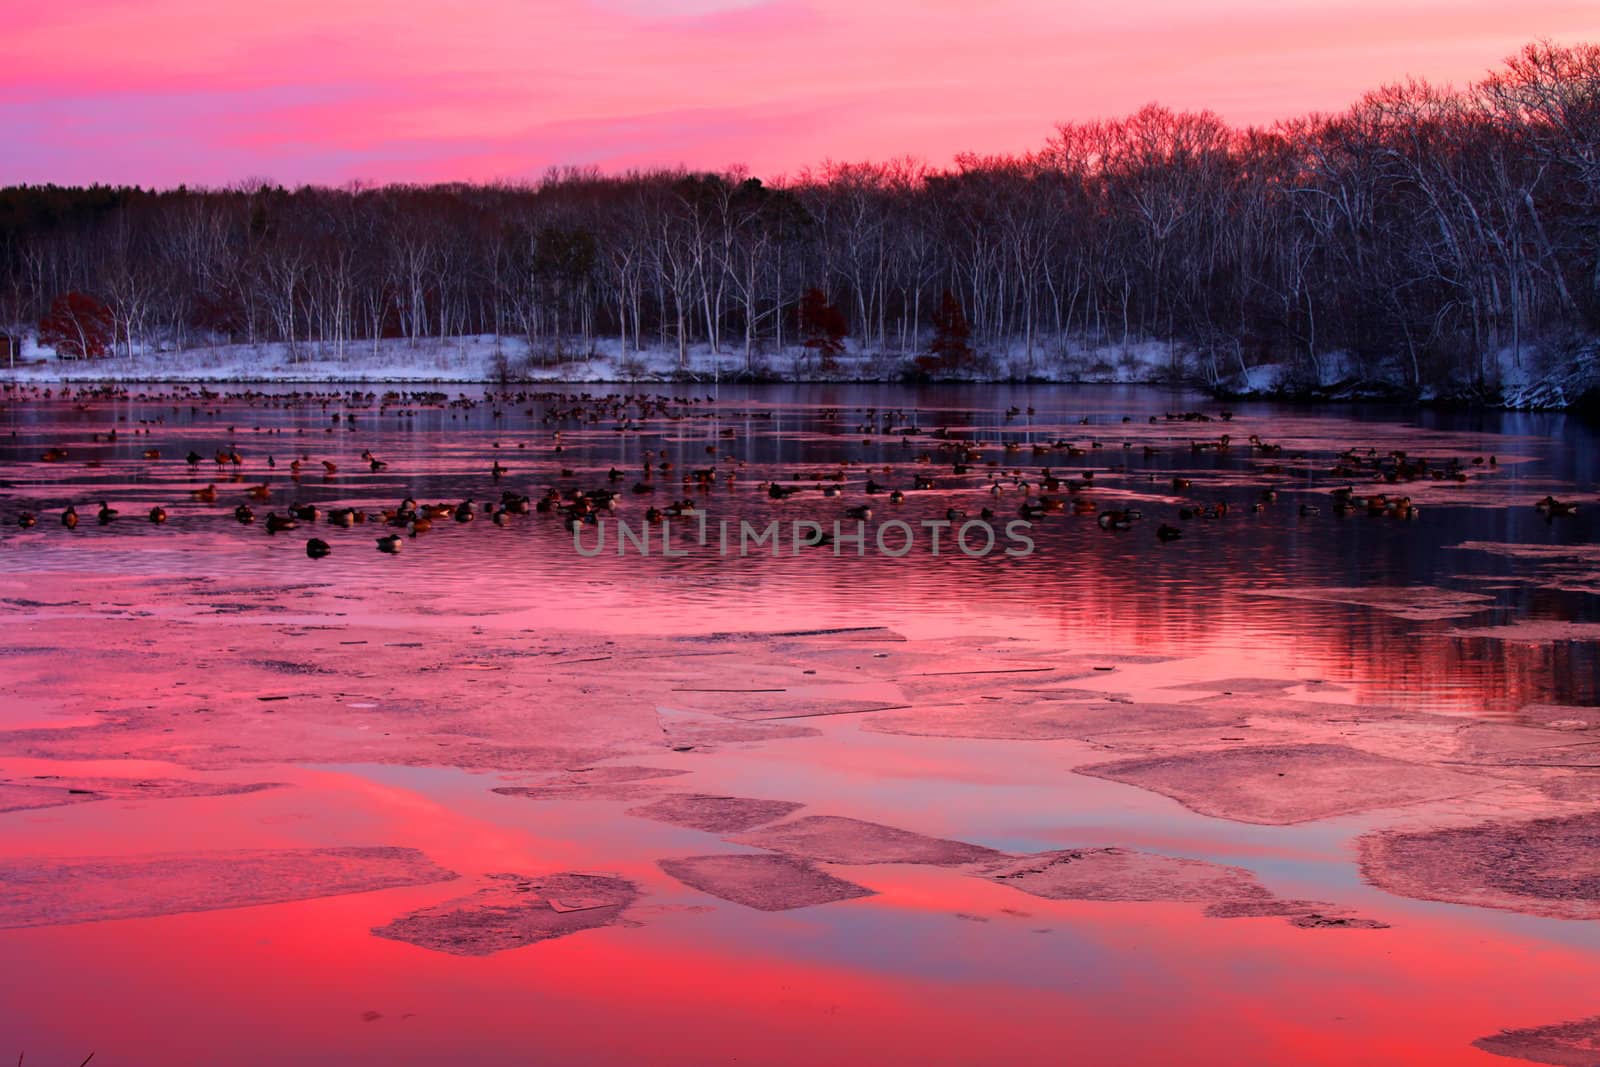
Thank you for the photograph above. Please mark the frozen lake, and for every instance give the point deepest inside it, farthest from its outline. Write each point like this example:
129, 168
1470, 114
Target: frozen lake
1217, 799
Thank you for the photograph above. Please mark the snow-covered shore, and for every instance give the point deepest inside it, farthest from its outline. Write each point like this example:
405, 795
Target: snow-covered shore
488, 359
1532, 381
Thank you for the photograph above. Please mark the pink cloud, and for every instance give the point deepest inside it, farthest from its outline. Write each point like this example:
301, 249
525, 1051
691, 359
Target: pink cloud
180, 90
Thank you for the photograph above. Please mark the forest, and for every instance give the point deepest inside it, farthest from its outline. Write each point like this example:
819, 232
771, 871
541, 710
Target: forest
1430, 237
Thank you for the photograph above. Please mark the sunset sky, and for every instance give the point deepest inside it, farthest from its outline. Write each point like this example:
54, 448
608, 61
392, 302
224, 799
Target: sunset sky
168, 91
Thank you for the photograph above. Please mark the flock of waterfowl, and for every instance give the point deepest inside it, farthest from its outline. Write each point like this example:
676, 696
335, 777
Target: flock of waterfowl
943, 460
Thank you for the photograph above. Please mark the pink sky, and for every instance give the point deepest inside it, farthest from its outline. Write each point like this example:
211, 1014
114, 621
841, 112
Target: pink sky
167, 91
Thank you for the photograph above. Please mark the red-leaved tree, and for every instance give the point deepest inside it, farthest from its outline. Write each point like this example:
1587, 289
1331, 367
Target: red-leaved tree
949, 349
822, 325
77, 326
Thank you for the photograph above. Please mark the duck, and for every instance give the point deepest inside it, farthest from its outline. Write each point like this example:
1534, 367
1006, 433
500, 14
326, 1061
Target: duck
860, 511
316, 548
1164, 532
208, 495
27, 520
158, 514
897, 497
277, 523
1553, 508
304, 512
107, 514
391, 544
244, 514
69, 518
466, 511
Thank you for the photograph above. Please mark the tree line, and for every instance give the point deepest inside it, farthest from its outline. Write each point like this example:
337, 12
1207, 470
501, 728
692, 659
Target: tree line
1417, 237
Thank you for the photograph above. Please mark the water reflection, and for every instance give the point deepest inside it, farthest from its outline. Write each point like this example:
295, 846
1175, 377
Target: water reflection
937, 967
1082, 587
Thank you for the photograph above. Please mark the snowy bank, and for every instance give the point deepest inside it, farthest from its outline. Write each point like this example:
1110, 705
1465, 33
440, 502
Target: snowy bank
1531, 380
